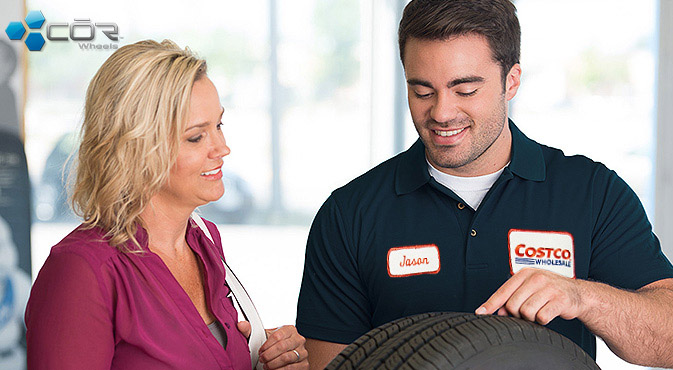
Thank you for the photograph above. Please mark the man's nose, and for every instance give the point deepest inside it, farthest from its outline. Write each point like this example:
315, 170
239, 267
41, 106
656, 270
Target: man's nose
445, 108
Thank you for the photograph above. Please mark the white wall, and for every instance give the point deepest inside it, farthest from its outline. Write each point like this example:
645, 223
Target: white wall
664, 167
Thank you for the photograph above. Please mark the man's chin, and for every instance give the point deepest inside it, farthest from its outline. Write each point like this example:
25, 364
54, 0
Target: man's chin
441, 162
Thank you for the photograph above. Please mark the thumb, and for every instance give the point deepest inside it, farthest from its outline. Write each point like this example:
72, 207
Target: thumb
245, 328
270, 331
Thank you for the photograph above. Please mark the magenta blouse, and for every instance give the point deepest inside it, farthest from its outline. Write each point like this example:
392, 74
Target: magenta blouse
93, 307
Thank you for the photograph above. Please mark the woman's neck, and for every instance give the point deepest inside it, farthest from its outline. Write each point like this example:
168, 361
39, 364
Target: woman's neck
166, 228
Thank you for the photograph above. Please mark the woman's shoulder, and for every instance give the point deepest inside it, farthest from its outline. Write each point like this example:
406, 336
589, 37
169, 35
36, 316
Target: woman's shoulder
210, 238
85, 243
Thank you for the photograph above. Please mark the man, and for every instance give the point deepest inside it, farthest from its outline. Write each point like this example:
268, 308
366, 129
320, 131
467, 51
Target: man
453, 223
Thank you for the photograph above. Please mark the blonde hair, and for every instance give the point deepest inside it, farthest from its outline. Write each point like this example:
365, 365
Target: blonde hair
136, 107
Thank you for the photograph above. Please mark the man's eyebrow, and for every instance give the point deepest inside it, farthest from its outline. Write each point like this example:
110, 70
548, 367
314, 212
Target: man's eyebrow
465, 80
415, 81
456, 82
203, 124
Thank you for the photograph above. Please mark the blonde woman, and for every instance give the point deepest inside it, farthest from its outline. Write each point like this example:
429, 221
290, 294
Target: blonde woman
139, 285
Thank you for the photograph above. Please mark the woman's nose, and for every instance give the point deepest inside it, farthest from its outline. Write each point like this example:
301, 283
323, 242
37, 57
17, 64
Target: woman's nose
220, 148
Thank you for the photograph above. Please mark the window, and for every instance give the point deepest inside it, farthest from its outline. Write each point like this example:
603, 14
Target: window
296, 81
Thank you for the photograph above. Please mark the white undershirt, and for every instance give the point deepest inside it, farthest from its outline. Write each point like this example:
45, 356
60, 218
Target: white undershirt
471, 189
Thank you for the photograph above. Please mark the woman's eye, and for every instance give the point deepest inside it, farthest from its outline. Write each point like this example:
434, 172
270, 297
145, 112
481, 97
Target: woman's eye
195, 139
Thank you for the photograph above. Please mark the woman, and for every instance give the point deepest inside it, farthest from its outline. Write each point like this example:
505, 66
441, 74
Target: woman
139, 285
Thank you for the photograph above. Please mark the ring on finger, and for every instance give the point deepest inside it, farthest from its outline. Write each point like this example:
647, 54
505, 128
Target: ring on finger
298, 357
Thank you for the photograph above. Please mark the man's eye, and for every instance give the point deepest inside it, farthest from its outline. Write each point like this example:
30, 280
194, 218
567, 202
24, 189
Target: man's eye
465, 94
423, 96
195, 139
219, 126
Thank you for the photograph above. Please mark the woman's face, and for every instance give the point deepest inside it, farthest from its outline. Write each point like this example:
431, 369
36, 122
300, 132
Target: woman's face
196, 176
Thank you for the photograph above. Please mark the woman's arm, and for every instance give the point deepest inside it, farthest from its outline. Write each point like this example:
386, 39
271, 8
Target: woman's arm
68, 321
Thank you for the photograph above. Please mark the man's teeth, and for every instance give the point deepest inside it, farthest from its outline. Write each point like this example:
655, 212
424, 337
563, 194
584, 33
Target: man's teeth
210, 172
449, 133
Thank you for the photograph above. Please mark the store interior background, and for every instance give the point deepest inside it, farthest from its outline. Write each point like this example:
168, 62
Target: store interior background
315, 96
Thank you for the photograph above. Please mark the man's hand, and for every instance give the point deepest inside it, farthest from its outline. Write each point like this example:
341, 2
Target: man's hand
283, 349
536, 295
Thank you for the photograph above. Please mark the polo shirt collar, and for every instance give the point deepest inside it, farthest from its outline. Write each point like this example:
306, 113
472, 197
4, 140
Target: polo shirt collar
412, 169
527, 162
527, 159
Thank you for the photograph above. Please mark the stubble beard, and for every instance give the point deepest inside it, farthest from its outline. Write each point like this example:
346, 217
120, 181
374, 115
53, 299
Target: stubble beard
452, 157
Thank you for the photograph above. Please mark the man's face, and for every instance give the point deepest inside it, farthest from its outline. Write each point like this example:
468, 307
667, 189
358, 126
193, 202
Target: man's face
458, 103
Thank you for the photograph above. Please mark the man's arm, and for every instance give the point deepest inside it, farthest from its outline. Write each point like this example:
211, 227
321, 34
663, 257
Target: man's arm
333, 305
320, 353
636, 325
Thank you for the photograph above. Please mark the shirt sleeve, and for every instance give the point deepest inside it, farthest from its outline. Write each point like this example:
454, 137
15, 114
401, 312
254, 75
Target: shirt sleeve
332, 303
68, 322
625, 251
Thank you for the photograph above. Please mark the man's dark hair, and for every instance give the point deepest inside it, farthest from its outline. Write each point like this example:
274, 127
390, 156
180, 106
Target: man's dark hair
441, 19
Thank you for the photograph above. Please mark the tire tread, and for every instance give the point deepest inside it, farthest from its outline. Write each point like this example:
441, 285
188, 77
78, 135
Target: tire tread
444, 340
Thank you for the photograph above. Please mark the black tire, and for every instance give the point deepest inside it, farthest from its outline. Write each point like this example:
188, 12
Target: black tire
450, 340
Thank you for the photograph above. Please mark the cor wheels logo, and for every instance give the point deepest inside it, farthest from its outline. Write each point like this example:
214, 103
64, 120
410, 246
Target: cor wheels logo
34, 21
79, 30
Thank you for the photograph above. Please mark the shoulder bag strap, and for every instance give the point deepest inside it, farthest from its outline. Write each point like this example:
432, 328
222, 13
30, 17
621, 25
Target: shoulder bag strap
242, 302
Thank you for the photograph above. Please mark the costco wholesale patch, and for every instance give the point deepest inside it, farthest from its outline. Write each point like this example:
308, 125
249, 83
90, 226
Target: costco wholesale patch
547, 250
413, 260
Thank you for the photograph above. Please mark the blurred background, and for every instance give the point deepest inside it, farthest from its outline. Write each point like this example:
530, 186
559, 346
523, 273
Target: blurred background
314, 96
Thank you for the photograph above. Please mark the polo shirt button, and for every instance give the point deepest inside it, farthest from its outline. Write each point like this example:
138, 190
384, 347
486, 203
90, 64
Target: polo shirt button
461, 206
473, 232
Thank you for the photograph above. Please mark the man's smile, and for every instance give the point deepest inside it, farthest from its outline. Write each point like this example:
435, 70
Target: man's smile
448, 133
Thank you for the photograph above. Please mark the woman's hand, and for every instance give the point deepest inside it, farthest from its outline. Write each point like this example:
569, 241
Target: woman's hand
283, 349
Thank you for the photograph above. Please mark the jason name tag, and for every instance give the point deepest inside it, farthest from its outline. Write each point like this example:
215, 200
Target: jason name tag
547, 250
413, 260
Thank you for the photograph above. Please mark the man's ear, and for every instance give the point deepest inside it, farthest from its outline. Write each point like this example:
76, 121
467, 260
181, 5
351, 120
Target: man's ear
512, 81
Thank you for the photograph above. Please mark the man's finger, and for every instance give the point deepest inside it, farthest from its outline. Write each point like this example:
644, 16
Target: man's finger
527, 299
500, 297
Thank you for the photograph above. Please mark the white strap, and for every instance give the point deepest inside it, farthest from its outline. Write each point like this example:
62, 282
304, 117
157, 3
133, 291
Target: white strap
243, 304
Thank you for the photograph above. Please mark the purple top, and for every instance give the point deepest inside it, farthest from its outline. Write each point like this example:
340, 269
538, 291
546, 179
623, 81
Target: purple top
93, 307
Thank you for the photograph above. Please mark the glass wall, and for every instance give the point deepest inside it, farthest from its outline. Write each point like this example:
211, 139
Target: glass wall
296, 80
588, 85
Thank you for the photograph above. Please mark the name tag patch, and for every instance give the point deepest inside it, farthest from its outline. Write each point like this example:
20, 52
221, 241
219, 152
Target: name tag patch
413, 260
547, 250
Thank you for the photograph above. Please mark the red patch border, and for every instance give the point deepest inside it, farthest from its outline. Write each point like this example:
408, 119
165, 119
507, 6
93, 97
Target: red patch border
439, 260
509, 245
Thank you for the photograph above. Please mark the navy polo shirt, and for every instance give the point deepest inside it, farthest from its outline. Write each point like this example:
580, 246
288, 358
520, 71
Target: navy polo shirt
348, 286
